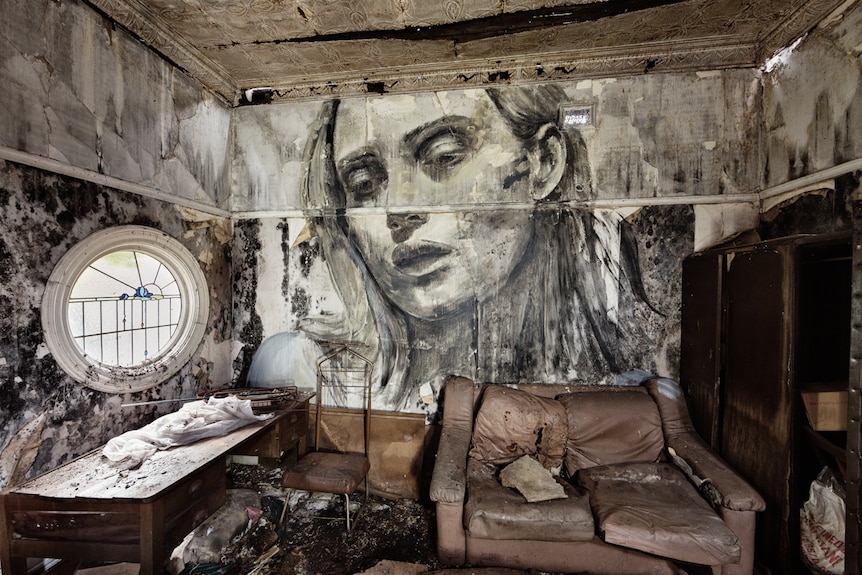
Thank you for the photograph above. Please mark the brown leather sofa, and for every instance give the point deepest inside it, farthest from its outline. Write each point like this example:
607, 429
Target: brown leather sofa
628, 459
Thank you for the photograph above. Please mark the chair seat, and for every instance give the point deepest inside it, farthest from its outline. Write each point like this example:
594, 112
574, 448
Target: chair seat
326, 472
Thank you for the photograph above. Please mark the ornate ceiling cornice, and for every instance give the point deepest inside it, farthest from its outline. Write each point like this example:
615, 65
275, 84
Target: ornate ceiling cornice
798, 22
657, 58
236, 45
152, 31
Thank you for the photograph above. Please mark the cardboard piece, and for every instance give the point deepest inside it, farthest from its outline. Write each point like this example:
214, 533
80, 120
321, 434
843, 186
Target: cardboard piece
826, 410
532, 480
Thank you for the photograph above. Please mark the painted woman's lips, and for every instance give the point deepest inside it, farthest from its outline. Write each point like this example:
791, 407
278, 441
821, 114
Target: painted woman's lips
420, 258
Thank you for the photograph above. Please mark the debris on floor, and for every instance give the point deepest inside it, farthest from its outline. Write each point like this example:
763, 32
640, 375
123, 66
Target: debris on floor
309, 537
387, 567
240, 512
111, 569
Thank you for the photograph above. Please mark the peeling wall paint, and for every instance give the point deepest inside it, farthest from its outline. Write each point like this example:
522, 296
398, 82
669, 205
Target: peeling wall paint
676, 134
82, 92
43, 215
812, 103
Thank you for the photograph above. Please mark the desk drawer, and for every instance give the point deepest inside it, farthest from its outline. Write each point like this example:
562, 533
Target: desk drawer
193, 500
289, 431
293, 429
195, 489
120, 527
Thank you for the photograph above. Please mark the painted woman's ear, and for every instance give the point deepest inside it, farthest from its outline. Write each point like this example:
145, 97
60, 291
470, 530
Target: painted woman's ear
547, 157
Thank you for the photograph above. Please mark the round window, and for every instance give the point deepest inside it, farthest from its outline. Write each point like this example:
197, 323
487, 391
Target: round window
125, 309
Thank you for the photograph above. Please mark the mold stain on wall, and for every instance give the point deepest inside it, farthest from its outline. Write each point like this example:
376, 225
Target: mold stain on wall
246, 321
43, 216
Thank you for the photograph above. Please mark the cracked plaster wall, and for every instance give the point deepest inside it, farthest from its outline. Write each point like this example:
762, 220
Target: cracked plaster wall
82, 92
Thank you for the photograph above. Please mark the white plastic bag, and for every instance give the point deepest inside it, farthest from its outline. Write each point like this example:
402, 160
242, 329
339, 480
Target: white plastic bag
822, 521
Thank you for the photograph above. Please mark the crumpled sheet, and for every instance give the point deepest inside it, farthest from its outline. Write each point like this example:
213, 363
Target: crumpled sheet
192, 422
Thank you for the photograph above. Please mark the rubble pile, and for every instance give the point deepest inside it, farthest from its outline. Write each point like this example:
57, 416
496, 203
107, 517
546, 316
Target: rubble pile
309, 536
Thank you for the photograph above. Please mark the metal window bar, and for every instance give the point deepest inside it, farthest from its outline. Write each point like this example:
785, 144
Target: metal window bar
129, 327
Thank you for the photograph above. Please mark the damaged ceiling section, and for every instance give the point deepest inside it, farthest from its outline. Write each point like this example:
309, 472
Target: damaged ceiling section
265, 51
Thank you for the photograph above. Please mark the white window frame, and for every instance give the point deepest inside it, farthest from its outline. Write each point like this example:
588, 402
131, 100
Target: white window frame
185, 341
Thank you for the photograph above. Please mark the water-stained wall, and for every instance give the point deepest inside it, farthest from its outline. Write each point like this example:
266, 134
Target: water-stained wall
812, 102
88, 95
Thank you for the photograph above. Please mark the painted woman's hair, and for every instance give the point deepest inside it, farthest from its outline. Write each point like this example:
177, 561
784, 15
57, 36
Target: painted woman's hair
325, 196
573, 334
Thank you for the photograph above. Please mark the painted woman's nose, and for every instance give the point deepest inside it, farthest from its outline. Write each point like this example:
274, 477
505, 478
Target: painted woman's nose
402, 226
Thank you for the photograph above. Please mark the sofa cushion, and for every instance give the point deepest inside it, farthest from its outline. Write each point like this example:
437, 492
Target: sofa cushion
652, 507
496, 512
611, 425
511, 423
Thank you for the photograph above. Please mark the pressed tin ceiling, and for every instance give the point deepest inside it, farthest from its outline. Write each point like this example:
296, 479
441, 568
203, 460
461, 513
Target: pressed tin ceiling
319, 48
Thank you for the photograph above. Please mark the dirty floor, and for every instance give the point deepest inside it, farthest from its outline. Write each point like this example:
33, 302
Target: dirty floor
310, 537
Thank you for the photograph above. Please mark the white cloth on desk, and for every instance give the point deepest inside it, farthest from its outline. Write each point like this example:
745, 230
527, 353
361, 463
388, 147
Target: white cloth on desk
196, 420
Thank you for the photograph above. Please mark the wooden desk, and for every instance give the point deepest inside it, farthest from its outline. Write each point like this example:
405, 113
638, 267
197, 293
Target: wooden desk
88, 510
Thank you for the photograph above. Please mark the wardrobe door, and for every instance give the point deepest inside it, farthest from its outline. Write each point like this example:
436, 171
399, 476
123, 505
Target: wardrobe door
757, 425
700, 342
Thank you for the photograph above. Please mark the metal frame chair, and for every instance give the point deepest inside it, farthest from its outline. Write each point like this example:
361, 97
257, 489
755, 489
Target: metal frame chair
343, 381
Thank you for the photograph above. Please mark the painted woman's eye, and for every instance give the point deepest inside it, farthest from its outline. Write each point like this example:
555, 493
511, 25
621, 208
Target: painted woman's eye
440, 151
363, 178
443, 155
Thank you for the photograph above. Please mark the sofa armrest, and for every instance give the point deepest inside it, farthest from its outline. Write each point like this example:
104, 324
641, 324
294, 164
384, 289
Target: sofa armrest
448, 490
729, 490
449, 478
721, 483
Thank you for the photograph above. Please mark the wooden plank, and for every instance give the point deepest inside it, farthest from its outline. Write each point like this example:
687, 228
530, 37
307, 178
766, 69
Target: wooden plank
79, 550
8, 563
853, 529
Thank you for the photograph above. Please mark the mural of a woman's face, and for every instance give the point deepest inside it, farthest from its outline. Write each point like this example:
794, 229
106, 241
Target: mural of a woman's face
438, 150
